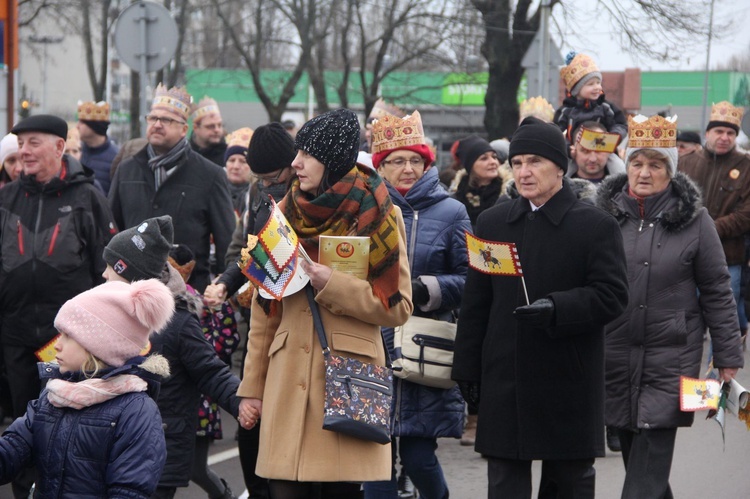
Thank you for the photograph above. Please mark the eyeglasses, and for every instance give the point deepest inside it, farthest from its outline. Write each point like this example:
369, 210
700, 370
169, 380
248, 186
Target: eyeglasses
401, 162
151, 120
268, 180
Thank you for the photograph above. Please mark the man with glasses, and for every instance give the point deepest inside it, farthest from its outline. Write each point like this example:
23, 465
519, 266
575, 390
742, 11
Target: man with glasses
207, 138
168, 178
270, 154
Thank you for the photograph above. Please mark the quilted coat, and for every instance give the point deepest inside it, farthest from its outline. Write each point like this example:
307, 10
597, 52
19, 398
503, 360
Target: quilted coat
284, 367
670, 253
542, 390
436, 227
113, 449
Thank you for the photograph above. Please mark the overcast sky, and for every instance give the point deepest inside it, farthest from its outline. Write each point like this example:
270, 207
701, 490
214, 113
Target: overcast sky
598, 41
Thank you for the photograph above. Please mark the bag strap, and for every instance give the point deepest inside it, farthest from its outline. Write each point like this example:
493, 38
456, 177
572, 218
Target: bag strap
322, 332
317, 320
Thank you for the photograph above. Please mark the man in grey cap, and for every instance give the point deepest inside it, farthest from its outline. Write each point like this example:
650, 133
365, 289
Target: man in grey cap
55, 225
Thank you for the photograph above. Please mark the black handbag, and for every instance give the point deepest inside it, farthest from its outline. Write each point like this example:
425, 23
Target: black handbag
358, 394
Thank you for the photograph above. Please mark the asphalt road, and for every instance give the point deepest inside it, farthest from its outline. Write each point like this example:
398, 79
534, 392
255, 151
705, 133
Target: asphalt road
703, 466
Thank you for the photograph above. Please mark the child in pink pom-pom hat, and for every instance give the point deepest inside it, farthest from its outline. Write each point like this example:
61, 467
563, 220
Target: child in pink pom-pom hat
96, 418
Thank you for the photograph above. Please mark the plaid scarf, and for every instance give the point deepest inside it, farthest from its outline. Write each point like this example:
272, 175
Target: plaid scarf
161, 163
356, 205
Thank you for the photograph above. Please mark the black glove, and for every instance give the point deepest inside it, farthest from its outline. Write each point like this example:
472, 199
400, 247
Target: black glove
419, 293
470, 393
541, 313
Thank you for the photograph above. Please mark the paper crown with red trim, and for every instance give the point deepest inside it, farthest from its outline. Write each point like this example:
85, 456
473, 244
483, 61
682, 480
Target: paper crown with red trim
382, 108
725, 112
579, 66
537, 107
240, 137
393, 132
93, 111
653, 132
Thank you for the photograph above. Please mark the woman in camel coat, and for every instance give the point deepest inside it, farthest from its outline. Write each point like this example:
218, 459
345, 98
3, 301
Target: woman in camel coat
284, 369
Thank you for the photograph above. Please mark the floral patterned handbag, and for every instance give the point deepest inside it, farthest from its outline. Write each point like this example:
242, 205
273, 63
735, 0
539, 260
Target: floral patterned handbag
358, 395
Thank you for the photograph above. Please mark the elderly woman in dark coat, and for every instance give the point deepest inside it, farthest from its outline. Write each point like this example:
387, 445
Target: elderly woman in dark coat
672, 249
436, 226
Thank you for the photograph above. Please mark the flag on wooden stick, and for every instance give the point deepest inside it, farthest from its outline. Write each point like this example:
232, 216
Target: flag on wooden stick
491, 257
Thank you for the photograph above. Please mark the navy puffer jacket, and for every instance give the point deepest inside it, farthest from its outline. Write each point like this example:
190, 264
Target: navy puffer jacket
114, 449
435, 231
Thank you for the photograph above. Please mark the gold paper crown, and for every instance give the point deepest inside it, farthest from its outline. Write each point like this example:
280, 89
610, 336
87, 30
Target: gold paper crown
381, 109
176, 100
727, 113
205, 107
93, 111
653, 132
73, 134
537, 107
392, 132
580, 66
239, 137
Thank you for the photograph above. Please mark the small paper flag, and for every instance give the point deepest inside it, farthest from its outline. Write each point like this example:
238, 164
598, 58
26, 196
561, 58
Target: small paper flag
699, 394
278, 238
270, 259
491, 257
47, 352
594, 140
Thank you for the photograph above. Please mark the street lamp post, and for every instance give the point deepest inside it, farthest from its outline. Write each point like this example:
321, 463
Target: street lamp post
45, 40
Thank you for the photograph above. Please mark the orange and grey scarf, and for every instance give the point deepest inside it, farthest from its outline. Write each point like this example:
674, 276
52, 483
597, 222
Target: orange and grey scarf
356, 205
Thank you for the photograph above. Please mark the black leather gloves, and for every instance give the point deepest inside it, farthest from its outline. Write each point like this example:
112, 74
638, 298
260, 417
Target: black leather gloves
541, 313
470, 393
419, 293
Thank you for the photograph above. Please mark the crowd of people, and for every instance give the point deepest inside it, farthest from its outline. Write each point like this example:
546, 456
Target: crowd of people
122, 296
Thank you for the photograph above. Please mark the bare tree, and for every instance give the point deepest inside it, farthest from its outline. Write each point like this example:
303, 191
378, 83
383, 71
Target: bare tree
263, 24
660, 28
394, 34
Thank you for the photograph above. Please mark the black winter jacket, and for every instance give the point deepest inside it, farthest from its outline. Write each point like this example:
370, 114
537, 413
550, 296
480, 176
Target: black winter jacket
542, 389
214, 153
51, 241
575, 111
195, 195
195, 370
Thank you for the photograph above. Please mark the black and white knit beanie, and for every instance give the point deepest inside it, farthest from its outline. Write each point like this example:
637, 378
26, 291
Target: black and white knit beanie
332, 138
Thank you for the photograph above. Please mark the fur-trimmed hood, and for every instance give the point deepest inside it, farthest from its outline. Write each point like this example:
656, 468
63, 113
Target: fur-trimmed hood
183, 298
680, 214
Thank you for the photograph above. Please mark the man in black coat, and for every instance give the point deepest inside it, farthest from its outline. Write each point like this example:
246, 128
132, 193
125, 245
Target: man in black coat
536, 368
168, 178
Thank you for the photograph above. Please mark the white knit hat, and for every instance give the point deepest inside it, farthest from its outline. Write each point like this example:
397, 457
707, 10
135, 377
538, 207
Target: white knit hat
8, 145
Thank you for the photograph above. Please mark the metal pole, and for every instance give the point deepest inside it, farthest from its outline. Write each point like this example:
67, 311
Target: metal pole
544, 58
12, 29
143, 23
44, 80
705, 76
